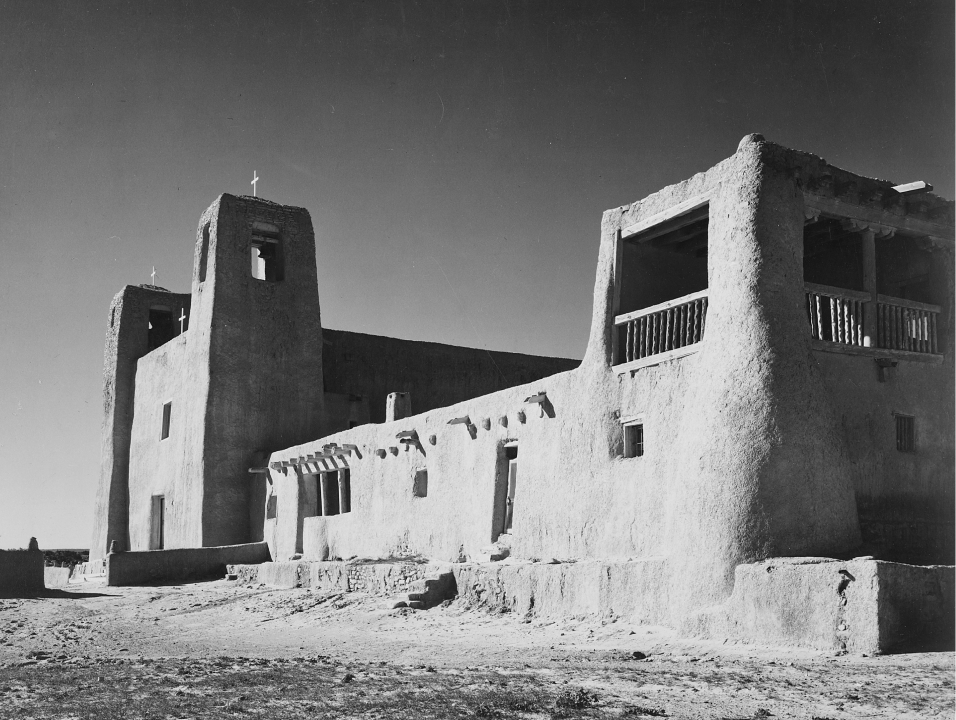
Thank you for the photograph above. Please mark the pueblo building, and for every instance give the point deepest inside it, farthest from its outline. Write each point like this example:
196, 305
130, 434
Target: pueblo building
769, 375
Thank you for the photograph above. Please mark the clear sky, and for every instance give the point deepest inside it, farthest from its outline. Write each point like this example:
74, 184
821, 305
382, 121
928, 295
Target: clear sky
455, 156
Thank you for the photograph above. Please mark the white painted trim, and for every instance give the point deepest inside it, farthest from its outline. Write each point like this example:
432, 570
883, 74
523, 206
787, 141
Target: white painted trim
672, 212
633, 420
658, 359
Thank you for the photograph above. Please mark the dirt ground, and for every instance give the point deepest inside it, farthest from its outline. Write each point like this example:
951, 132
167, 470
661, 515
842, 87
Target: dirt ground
219, 649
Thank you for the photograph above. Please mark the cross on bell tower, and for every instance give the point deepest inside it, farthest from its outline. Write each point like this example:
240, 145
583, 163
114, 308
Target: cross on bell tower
255, 179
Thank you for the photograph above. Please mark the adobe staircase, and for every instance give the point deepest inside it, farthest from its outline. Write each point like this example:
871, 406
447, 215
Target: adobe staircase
430, 591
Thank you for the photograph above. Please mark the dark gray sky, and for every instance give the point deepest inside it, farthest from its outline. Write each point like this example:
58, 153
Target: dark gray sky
455, 157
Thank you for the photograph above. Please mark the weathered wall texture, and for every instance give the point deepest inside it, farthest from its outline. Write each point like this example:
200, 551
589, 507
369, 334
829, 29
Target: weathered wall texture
746, 453
127, 340
861, 605
246, 377
21, 571
436, 375
181, 565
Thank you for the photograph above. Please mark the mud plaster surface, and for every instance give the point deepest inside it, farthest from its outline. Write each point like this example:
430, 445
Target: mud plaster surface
93, 623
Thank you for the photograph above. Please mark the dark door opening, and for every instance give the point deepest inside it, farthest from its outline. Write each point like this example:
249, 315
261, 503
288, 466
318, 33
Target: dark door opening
503, 517
157, 524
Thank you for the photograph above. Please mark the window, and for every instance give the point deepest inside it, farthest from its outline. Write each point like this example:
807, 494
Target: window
266, 256
420, 486
203, 253
161, 328
906, 433
634, 440
167, 411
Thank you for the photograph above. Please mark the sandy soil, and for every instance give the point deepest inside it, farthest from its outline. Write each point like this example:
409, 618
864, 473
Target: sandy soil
621, 669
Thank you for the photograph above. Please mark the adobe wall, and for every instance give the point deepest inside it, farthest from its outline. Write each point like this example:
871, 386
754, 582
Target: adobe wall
437, 375
179, 565
262, 342
126, 341
174, 466
905, 500
744, 458
861, 606
21, 571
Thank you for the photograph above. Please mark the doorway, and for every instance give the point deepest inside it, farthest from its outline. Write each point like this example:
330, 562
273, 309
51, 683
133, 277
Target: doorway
157, 523
503, 518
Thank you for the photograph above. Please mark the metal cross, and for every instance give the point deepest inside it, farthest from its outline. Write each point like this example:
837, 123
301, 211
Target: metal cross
255, 179
152, 276
182, 321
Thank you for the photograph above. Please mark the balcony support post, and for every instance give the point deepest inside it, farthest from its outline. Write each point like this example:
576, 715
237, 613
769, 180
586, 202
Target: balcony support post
869, 285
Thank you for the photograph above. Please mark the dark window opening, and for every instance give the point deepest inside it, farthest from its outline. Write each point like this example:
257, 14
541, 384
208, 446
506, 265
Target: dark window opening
634, 440
665, 261
420, 486
330, 493
161, 327
345, 491
203, 252
311, 496
832, 255
167, 412
906, 433
266, 256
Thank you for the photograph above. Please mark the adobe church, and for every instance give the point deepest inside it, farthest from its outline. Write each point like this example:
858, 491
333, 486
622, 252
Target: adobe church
769, 374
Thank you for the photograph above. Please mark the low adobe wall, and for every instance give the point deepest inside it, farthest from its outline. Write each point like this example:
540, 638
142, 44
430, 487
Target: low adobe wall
54, 577
861, 606
163, 566
21, 571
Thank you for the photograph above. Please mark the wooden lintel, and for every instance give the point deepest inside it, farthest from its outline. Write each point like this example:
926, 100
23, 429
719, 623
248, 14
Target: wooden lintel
942, 234
672, 212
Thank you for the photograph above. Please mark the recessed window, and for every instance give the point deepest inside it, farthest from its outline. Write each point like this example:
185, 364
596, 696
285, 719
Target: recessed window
420, 486
906, 433
167, 412
204, 253
266, 256
634, 440
161, 329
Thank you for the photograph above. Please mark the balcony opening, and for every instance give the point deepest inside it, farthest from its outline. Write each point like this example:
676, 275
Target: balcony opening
161, 327
872, 286
330, 493
663, 287
832, 255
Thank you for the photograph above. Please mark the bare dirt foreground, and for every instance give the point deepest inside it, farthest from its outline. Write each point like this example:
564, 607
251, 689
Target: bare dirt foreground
216, 650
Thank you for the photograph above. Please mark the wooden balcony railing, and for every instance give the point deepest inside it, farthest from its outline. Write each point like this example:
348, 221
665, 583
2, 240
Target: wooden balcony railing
840, 316
661, 328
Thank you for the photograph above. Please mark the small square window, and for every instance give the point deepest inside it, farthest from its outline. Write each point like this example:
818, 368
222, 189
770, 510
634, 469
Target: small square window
634, 440
167, 411
906, 433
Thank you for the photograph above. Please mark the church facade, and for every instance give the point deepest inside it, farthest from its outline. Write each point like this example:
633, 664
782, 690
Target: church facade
769, 373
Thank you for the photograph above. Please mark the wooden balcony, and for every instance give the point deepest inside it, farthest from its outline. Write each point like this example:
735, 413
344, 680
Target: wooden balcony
842, 316
660, 332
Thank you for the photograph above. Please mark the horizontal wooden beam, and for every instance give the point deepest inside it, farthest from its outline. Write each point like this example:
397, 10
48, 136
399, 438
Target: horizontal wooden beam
621, 319
672, 212
942, 234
